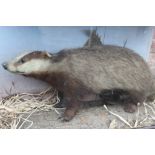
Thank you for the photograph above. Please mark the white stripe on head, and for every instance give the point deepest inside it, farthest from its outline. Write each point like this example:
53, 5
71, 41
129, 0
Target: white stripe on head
11, 66
34, 66
20, 56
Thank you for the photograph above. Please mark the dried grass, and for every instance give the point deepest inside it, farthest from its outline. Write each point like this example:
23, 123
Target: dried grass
13, 108
145, 120
16, 110
118, 116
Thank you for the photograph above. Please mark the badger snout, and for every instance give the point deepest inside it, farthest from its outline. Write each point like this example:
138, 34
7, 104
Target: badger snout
5, 65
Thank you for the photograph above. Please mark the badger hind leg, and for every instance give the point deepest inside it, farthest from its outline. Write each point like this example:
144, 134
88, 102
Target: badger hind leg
131, 103
128, 98
130, 107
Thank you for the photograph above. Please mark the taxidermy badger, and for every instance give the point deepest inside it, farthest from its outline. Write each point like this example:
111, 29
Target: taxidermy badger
95, 71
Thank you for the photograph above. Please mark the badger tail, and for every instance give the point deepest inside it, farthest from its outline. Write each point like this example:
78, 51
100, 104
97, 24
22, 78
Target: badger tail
94, 39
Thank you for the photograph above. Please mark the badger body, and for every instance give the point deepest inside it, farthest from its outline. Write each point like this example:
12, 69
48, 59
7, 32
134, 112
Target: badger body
83, 74
107, 67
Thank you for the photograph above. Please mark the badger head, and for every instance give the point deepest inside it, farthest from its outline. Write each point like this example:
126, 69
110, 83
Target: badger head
31, 63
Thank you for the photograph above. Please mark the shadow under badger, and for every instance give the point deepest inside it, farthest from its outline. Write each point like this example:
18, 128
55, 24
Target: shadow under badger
110, 73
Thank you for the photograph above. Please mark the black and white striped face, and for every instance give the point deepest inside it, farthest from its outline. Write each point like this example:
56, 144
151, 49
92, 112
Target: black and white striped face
33, 62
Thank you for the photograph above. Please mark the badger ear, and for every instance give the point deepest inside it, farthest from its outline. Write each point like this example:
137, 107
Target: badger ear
48, 54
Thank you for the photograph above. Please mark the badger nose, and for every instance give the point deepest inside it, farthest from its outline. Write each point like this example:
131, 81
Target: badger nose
5, 66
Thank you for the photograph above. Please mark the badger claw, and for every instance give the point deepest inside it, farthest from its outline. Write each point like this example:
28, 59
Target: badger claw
64, 118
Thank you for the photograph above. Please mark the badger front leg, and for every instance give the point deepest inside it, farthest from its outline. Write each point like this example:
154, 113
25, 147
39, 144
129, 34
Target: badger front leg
71, 97
72, 108
72, 90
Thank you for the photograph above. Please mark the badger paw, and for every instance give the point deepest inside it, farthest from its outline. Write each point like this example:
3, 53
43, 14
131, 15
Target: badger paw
65, 118
130, 108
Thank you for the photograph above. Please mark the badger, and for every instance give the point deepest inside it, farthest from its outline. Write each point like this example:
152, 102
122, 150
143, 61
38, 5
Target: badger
94, 71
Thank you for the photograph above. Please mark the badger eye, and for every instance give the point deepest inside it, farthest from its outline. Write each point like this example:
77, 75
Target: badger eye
22, 61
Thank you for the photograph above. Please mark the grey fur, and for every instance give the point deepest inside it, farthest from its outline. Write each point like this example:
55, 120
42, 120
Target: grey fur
109, 67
